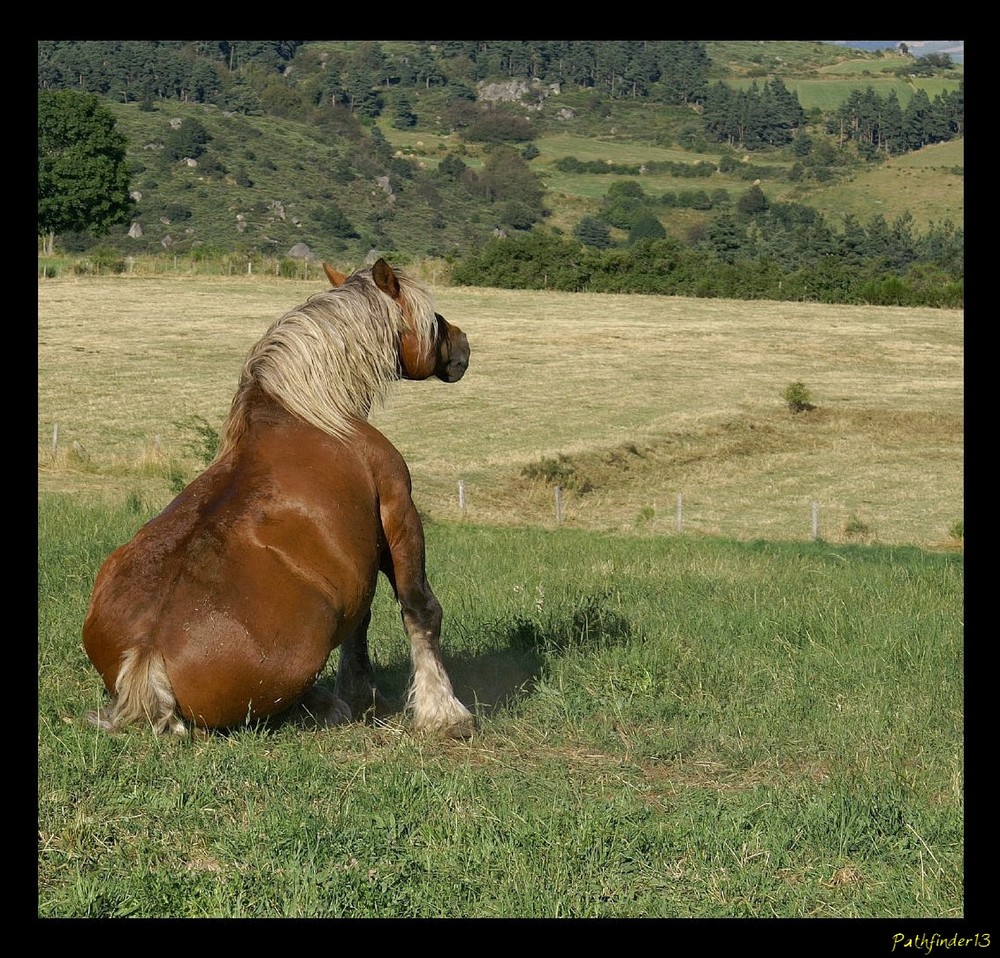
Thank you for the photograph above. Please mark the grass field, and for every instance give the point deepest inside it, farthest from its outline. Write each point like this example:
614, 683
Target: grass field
627, 402
727, 720
669, 728
928, 183
828, 92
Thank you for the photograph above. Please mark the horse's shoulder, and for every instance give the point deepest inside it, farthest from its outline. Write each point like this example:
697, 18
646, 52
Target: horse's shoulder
384, 462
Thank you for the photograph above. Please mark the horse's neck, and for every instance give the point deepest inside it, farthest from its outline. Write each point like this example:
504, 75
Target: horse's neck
263, 410
255, 413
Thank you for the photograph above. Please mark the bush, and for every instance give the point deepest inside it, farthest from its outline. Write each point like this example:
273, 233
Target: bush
593, 232
558, 472
648, 227
205, 441
753, 201
102, 260
797, 397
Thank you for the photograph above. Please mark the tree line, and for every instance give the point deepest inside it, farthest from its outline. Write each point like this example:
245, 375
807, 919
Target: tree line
757, 250
878, 125
749, 247
206, 71
289, 78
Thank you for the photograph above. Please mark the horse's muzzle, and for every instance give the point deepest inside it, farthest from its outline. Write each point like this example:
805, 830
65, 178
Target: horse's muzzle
458, 360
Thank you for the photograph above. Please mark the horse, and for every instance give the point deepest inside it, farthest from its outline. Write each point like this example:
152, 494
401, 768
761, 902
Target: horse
224, 608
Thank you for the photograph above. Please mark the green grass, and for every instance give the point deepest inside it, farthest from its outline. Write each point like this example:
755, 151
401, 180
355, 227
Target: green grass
936, 173
669, 727
828, 93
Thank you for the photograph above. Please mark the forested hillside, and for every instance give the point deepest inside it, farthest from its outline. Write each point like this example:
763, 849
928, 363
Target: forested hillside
704, 168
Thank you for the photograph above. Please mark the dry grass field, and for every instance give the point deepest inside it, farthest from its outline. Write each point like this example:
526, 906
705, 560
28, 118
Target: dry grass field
627, 402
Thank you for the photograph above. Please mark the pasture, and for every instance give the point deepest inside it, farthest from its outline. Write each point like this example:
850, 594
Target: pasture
933, 175
626, 401
727, 720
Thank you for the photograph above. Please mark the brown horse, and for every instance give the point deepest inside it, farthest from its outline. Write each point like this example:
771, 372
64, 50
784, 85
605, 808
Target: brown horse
225, 607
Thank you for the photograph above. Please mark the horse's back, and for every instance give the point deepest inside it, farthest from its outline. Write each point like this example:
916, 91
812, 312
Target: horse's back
247, 580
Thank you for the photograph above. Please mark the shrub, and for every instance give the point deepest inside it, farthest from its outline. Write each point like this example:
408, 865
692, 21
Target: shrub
205, 442
797, 397
592, 231
102, 260
857, 528
753, 201
558, 472
646, 226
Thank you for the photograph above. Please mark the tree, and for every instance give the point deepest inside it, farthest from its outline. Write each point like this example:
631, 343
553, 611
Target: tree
646, 227
426, 69
915, 117
187, 141
506, 176
451, 167
684, 68
404, 117
753, 201
83, 182
333, 221
592, 231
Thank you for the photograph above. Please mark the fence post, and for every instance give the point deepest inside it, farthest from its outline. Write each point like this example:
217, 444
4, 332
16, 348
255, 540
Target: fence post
55, 438
461, 497
815, 519
680, 511
558, 505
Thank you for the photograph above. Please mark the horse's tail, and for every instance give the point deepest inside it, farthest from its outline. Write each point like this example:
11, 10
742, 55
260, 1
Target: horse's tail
143, 693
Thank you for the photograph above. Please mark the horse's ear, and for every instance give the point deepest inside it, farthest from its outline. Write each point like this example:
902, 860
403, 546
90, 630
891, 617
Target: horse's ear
385, 279
336, 278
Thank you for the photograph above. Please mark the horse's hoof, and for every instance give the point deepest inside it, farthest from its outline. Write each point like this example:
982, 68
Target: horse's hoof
465, 729
320, 708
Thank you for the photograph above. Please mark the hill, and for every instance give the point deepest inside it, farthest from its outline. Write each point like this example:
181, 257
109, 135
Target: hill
420, 179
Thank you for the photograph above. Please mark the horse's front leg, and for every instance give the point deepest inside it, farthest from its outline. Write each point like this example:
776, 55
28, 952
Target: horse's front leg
430, 698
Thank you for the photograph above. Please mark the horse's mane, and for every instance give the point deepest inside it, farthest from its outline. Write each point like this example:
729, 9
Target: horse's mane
332, 359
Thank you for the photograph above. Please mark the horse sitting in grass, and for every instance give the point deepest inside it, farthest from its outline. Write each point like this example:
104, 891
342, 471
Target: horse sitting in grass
225, 607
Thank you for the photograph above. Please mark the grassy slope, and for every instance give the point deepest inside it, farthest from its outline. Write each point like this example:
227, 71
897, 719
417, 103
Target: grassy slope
292, 168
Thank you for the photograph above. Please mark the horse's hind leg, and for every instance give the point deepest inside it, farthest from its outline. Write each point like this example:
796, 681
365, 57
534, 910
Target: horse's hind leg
356, 678
321, 708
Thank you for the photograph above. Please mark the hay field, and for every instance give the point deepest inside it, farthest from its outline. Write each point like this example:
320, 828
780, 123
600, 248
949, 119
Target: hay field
625, 401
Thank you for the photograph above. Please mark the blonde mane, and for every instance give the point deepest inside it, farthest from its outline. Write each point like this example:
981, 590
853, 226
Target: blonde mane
331, 360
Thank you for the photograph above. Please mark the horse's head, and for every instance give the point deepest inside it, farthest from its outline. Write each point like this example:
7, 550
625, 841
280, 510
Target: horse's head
445, 356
